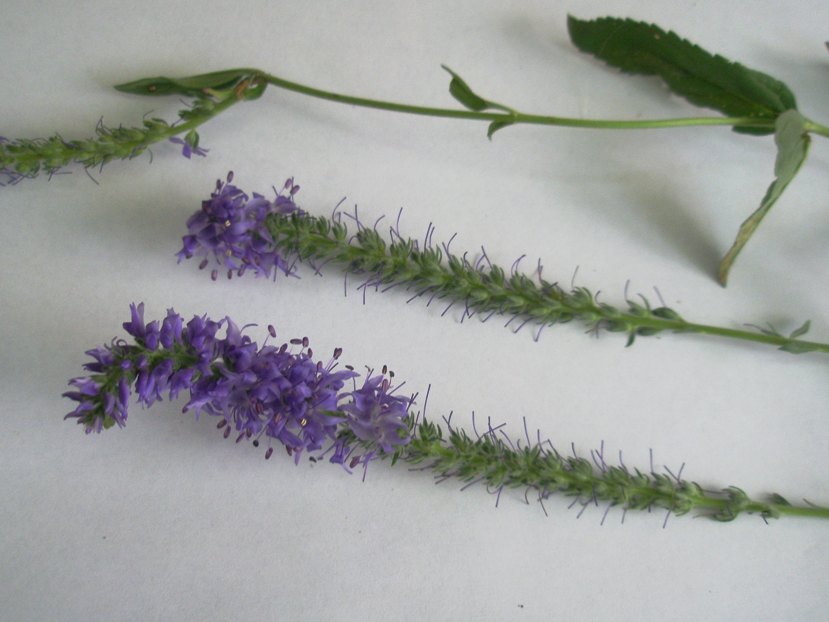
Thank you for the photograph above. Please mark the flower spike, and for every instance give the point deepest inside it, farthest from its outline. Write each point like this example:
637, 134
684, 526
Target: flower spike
282, 395
242, 233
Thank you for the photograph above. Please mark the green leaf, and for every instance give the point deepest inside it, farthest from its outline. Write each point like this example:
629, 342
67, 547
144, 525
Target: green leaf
495, 126
192, 139
797, 347
190, 86
792, 148
460, 90
802, 330
700, 77
778, 499
666, 313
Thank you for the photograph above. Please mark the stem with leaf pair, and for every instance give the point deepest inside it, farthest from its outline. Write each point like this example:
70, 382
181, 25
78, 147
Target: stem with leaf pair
753, 102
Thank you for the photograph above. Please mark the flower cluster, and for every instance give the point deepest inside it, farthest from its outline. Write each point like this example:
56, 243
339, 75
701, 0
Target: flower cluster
230, 228
284, 395
263, 235
269, 391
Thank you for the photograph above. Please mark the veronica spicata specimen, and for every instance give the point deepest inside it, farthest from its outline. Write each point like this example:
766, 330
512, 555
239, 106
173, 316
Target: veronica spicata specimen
234, 233
284, 397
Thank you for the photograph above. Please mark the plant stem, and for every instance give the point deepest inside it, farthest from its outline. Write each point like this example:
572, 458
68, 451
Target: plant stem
816, 128
780, 341
515, 117
493, 459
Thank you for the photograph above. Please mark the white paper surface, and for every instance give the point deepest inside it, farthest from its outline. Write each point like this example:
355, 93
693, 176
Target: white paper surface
165, 520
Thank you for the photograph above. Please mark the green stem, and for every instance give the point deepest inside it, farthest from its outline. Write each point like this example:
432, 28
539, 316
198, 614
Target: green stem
779, 341
816, 128
493, 459
514, 117
810, 511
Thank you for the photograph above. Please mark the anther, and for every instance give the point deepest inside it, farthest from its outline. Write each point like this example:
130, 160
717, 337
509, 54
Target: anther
271, 330
269, 453
228, 224
303, 422
203, 264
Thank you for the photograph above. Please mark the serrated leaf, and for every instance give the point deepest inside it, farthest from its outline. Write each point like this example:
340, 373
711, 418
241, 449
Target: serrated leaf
792, 148
460, 90
702, 78
495, 126
799, 332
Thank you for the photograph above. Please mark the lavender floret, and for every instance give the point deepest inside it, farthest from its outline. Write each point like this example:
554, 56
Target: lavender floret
187, 150
276, 392
230, 229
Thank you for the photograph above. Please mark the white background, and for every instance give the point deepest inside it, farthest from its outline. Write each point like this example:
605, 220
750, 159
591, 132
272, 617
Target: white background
165, 520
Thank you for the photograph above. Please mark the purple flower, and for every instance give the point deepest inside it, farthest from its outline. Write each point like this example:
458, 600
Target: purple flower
280, 393
187, 149
230, 228
374, 415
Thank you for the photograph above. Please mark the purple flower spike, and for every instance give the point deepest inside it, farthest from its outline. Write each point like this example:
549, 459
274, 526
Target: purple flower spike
230, 228
268, 391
